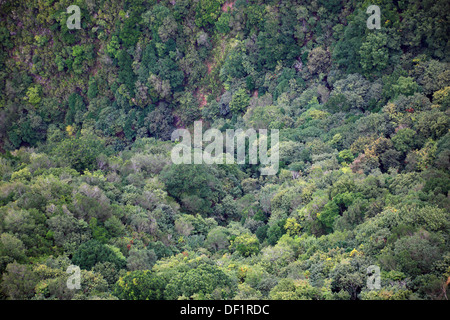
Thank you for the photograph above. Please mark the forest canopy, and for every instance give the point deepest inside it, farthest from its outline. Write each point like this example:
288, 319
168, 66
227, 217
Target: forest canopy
86, 177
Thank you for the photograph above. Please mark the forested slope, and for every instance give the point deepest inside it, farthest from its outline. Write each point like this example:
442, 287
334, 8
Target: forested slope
86, 117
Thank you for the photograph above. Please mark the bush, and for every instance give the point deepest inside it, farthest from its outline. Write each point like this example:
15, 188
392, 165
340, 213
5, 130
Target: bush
245, 245
203, 282
92, 252
140, 285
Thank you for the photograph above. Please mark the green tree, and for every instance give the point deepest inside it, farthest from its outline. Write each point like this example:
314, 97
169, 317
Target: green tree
246, 245
347, 50
141, 259
329, 213
92, 252
217, 239
195, 185
80, 153
414, 253
406, 86
350, 276
346, 156
275, 231
113, 47
68, 232
93, 88
140, 285
75, 110
19, 281
207, 12
319, 61
240, 101
11, 249
205, 281
404, 139
34, 94
374, 53
223, 23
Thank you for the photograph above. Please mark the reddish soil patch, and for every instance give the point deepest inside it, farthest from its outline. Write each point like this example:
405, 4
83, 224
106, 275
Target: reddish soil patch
210, 67
203, 101
201, 98
227, 5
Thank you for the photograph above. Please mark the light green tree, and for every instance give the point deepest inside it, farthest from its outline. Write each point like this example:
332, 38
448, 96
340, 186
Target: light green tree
374, 53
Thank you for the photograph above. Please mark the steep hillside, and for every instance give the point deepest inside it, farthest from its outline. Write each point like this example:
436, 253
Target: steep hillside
86, 177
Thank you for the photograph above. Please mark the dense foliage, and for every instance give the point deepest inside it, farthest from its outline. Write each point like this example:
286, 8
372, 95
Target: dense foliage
86, 177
